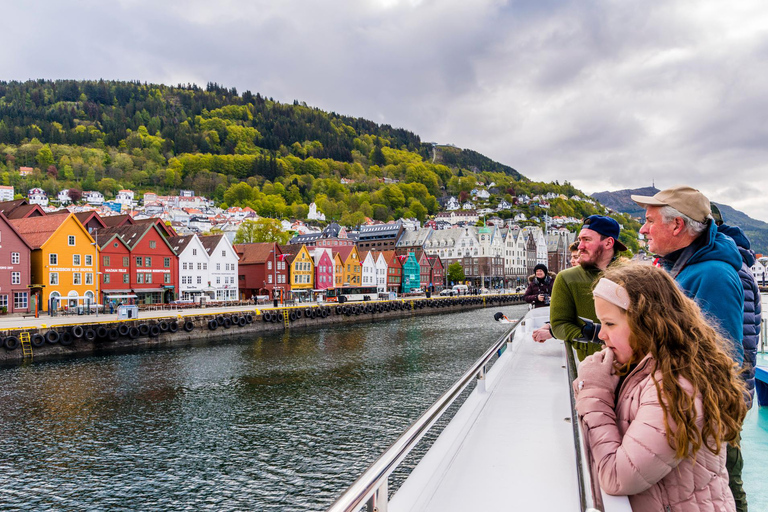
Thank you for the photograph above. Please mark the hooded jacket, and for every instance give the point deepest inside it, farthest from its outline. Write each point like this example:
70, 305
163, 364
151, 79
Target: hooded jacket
707, 272
535, 288
752, 305
629, 447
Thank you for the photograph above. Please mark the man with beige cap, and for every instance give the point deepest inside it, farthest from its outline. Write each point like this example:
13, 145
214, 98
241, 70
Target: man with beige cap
705, 263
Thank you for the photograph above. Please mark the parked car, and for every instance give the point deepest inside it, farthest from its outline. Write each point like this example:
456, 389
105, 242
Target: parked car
446, 292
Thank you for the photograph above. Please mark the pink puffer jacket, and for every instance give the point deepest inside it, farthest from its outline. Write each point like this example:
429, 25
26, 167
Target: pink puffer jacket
632, 457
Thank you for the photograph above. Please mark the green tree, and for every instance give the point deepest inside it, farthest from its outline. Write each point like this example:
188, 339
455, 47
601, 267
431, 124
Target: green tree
44, 158
262, 230
456, 272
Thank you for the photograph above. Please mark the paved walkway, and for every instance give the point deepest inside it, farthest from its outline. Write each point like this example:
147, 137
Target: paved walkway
10, 322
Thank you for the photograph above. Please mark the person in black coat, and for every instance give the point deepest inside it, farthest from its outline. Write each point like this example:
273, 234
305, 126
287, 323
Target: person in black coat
539, 286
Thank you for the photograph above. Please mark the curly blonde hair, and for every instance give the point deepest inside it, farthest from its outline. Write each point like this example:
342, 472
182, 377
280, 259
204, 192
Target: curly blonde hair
671, 327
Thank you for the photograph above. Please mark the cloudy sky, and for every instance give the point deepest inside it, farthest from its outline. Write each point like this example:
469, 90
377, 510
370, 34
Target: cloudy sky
606, 94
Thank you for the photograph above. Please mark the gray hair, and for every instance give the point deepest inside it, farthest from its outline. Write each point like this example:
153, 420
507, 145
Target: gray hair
693, 227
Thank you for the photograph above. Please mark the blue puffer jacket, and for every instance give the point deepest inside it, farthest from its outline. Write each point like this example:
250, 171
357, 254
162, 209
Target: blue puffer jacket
752, 305
710, 276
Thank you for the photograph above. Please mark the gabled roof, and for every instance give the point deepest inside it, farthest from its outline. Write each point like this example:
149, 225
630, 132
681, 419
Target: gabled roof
344, 251
37, 230
4, 219
131, 234
179, 243
21, 209
86, 217
117, 220
210, 242
165, 229
256, 253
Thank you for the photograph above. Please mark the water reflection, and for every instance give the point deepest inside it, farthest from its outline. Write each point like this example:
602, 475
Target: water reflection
279, 422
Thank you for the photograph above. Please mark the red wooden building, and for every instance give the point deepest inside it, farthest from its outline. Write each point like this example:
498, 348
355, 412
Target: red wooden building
262, 270
153, 264
15, 274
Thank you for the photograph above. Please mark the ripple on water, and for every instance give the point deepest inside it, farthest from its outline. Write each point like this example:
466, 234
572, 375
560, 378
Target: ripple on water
281, 422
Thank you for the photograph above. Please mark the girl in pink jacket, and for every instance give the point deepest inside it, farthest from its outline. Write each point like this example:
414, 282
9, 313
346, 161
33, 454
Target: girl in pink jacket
663, 398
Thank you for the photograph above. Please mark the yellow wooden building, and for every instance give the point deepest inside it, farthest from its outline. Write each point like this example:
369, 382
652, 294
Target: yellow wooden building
348, 269
64, 260
302, 271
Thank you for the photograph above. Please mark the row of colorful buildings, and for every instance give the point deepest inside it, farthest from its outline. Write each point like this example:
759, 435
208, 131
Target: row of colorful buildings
62, 260
306, 271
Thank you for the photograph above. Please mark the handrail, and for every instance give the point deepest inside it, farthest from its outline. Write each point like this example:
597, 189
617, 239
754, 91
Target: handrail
371, 487
596, 498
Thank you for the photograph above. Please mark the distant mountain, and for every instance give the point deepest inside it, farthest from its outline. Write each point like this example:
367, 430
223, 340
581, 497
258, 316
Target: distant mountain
756, 230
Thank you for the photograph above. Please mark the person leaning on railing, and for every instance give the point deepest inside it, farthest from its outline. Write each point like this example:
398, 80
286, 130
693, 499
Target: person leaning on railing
571, 301
662, 442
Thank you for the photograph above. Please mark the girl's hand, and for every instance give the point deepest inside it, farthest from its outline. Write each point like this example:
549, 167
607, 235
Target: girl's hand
597, 371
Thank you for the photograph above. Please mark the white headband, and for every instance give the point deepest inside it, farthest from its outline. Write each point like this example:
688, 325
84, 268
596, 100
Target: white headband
612, 292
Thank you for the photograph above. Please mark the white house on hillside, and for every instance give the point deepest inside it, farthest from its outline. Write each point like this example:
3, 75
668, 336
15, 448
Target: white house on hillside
314, 214
93, 197
37, 196
6, 193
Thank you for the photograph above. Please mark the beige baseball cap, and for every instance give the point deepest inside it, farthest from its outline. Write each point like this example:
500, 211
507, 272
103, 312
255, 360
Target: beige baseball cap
687, 200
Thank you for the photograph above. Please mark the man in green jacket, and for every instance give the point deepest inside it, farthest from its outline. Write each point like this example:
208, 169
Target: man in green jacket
599, 245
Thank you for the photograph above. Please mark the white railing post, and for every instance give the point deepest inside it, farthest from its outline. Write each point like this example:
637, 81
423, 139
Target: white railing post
481, 380
379, 500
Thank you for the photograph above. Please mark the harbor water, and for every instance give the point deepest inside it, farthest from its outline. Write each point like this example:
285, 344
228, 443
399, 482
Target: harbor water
276, 422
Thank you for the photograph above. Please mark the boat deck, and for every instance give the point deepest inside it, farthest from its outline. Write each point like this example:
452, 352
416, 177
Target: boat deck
479, 461
510, 447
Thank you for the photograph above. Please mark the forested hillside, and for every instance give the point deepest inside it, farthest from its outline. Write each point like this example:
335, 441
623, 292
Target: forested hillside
240, 150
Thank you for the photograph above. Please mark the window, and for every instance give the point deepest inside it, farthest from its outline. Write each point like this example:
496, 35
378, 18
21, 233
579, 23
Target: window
167, 262
152, 244
147, 278
218, 266
126, 261
106, 278
3, 301
15, 258
269, 278
139, 261
147, 261
15, 277
205, 266
76, 260
218, 280
199, 279
53, 259
166, 277
224, 254
71, 240
140, 278
194, 252
20, 300
89, 278
88, 260
269, 265
106, 261
77, 278
126, 279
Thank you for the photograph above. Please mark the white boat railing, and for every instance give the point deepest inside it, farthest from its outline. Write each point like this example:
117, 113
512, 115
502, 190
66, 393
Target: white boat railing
371, 488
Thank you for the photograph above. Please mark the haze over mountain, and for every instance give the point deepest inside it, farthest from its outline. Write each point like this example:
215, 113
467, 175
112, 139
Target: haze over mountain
620, 201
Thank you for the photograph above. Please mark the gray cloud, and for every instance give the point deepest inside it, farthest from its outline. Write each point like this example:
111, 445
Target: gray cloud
603, 94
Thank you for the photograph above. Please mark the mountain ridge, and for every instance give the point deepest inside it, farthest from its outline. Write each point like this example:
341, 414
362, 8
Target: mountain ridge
620, 201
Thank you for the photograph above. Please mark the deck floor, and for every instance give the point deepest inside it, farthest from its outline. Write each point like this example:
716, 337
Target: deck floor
510, 448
